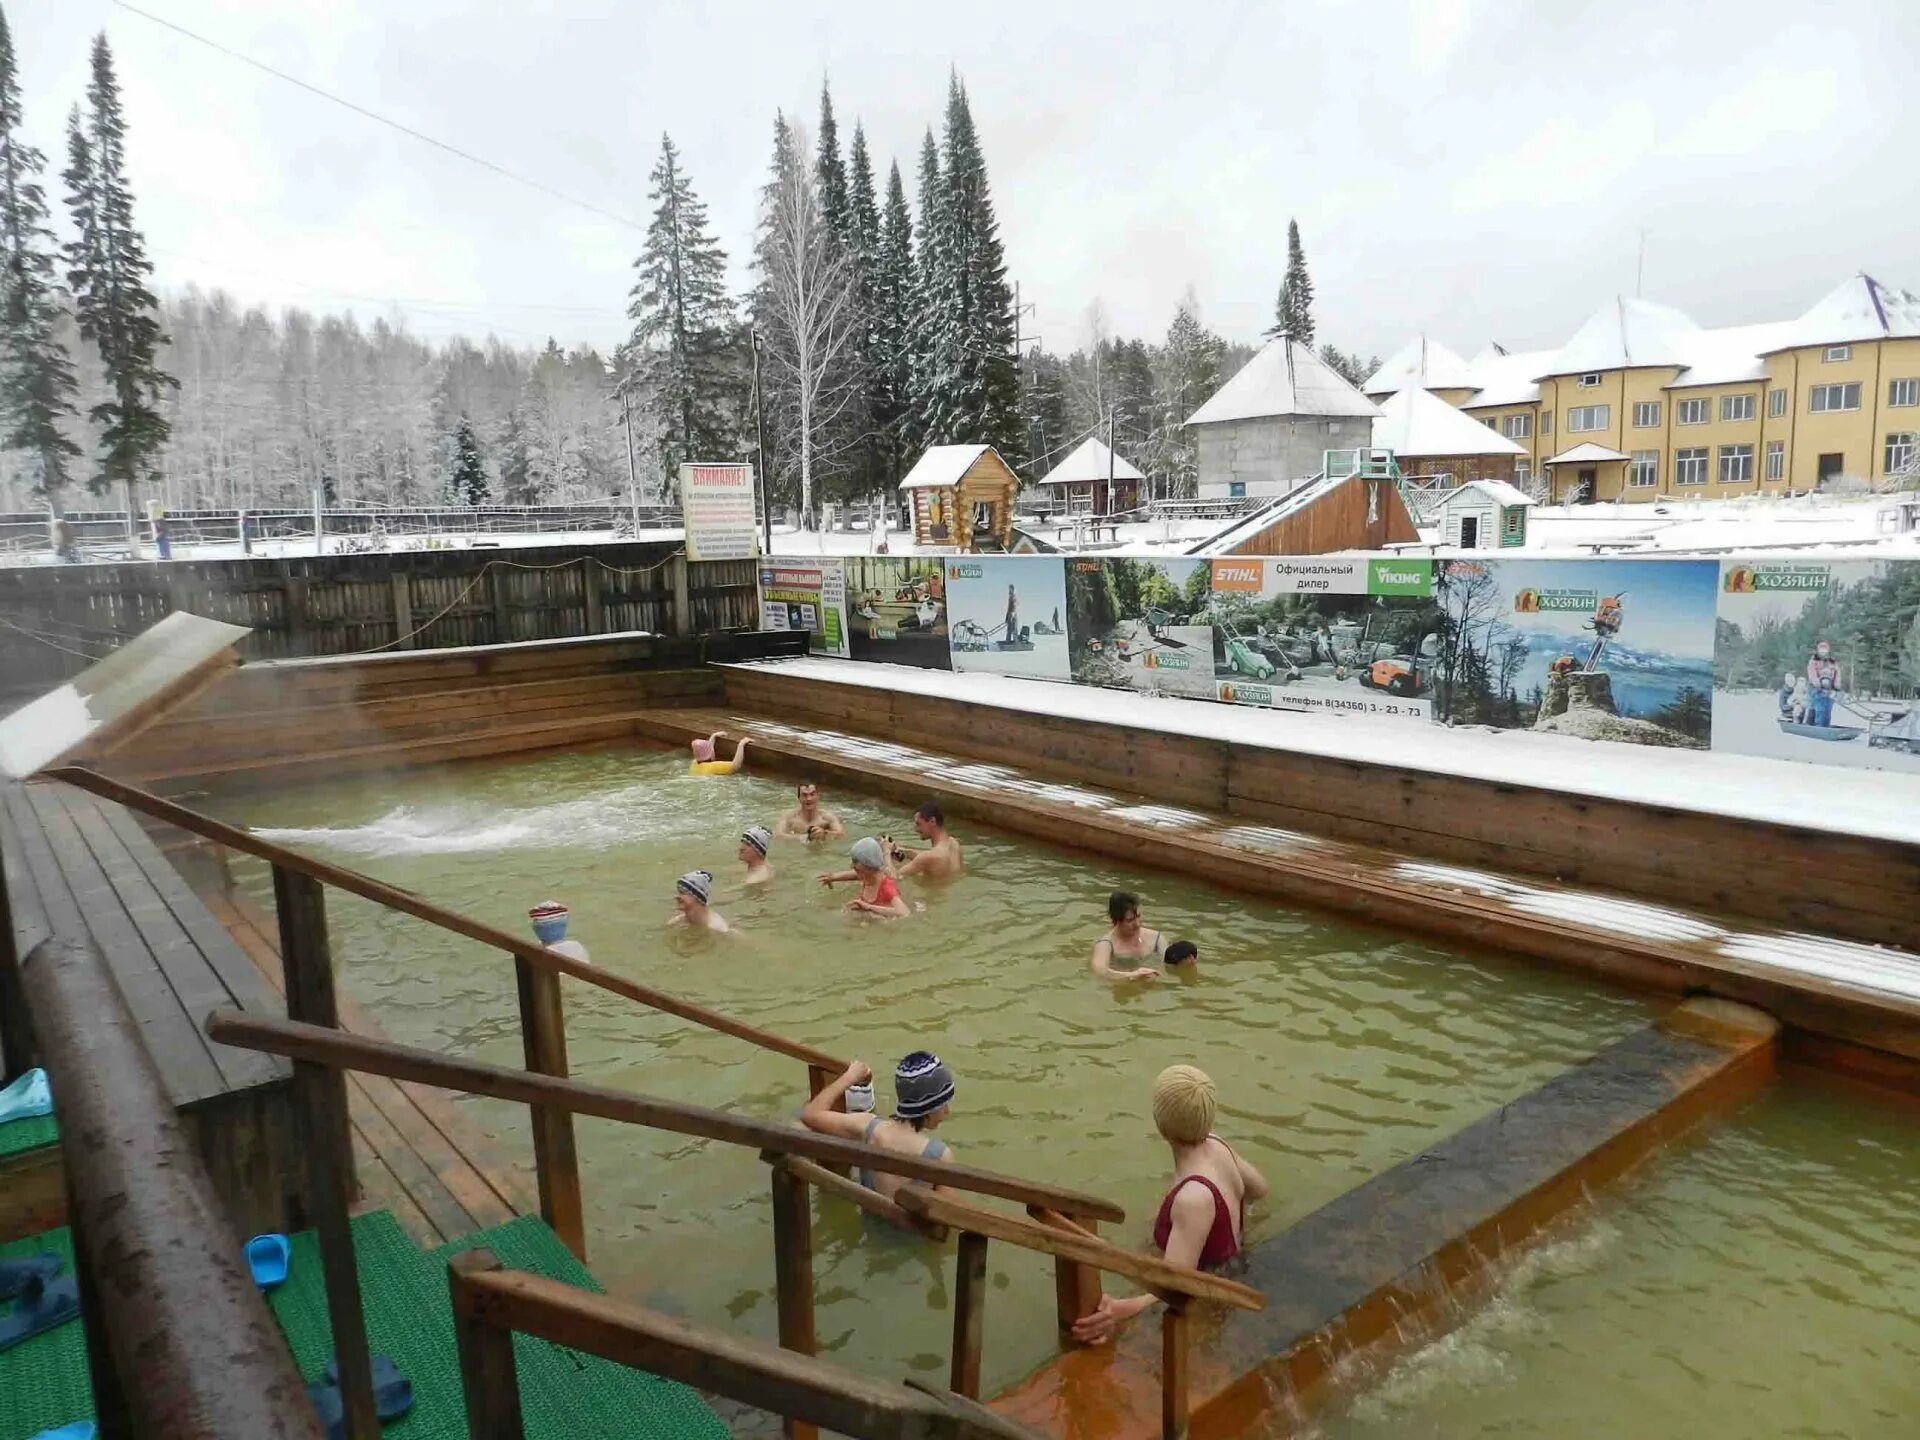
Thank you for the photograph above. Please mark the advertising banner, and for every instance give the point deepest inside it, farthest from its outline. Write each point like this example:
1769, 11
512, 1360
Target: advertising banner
809, 595
1819, 662
1618, 650
1006, 615
716, 507
1346, 635
897, 609
1142, 624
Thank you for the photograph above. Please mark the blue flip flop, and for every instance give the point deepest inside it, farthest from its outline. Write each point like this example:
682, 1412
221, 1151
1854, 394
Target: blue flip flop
16, 1275
78, 1430
42, 1306
267, 1259
392, 1396
26, 1097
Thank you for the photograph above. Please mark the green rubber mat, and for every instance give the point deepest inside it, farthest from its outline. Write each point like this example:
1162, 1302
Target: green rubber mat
28, 1134
43, 1381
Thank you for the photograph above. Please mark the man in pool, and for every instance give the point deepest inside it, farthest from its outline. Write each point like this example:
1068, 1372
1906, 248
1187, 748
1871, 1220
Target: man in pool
1127, 941
878, 894
690, 909
809, 820
755, 841
923, 1091
704, 761
940, 860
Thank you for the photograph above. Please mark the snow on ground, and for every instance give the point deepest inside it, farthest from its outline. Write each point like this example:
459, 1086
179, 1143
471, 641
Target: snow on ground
1846, 525
1784, 792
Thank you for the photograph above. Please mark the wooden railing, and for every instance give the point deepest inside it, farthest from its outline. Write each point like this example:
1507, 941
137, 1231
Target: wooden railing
1061, 1227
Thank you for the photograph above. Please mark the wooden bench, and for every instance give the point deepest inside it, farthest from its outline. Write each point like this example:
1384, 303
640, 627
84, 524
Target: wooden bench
78, 866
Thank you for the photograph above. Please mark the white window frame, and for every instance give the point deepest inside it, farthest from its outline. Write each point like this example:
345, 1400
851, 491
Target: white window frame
1643, 469
1492, 422
1898, 454
1776, 403
1820, 398
1699, 407
1587, 381
1736, 408
1741, 458
1646, 414
1600, 415
1902, 393
1690, 465
1834, 354
1522, 472
1517, 427
1776, 459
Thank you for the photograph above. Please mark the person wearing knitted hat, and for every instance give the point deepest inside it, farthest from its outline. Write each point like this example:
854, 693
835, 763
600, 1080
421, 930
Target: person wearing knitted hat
1203, 1217
549, 919
691, 892
705, 761
923, 1090
755, 841
878, 894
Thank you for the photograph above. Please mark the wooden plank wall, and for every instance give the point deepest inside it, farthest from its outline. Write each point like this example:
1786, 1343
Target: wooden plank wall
1337, 521
1852, 887
58, 618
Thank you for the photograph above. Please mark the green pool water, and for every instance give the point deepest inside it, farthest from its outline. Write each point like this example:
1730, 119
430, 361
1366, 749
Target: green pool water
1760, 1280
1338, 1050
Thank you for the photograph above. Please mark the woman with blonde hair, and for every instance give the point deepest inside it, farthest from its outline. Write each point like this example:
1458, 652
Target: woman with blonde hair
1202, 1219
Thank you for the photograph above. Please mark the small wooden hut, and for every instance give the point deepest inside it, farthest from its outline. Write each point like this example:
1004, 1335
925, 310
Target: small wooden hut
962, 496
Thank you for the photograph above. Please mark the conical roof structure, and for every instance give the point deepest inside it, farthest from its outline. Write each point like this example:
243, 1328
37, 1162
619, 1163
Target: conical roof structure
1284, 378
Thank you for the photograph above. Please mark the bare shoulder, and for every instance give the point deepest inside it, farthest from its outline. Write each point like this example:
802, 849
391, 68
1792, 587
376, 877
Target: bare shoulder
1193, 1204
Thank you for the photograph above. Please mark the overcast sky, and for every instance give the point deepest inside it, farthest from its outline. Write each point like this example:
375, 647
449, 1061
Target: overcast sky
1476, 170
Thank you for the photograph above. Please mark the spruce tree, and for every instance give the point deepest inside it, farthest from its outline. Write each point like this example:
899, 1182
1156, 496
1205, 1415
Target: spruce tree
519, 483
925, 307
466, 466
678, 358
872, 471
895, 287
36, 375
830, 175
108, 271
1293, 310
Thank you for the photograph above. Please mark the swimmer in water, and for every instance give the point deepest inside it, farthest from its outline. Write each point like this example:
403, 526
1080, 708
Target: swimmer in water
923, 1089
1184, 956
1128, 940
1203, 1216
549, 919
940, 860
704, 763
808, 820
878, 894
690, 895
755, 841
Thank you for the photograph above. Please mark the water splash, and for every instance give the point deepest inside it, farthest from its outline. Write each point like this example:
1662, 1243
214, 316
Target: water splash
632, 813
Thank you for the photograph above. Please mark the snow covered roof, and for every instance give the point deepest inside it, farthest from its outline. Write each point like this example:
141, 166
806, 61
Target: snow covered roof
942, 466
1622, 334
1505, 379
1089, 461
1499, 491
1284, 378
1585, 453
1729, 356
1419, 422
1861, 308
1421, 364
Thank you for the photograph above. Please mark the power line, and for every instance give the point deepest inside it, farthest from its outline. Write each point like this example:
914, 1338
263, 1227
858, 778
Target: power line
362, 110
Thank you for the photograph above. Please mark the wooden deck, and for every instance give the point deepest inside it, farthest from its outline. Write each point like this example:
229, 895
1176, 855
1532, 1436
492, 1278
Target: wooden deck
415, 1153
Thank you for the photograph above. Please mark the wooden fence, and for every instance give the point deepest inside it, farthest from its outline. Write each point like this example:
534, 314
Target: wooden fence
56, 620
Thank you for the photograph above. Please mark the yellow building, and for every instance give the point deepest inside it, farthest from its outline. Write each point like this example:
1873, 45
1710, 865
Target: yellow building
1643, 404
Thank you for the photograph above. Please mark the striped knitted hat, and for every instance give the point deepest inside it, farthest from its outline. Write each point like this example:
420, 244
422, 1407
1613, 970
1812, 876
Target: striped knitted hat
922, 1085
758, 836
697, 883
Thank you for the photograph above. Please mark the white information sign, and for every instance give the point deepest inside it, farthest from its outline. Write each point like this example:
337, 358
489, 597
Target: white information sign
716, 506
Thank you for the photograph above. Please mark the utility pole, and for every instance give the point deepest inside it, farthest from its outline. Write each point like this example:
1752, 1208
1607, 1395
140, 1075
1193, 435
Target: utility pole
760, 450
1112, 411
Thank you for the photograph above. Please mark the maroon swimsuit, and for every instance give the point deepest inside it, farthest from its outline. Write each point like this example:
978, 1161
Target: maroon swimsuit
1221, 1244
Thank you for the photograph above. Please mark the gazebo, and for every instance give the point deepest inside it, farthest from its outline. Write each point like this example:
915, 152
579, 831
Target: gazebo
1093, 480
962, 496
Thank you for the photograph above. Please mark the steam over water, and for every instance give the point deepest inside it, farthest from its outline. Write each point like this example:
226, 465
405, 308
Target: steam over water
1338, 1050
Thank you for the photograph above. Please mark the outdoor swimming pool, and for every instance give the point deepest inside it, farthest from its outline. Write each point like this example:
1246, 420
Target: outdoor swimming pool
1338, 1050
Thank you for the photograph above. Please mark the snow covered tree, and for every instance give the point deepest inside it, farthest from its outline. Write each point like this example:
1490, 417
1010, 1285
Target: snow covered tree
36, 376
925, 323
466, 466
678, 357
513, 451
808, 320
892, 332
830, 175
1293, 311
1186, 371
870, 471
1350, 368
108, 271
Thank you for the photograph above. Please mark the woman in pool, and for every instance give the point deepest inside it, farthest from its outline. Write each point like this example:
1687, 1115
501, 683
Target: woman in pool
923, 1092
690, 895
704, 763
878, 894
1128, 940
755, 841
1202, 1220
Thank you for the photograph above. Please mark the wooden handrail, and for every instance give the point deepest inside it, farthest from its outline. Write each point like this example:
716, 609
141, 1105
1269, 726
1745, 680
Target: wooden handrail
489, 1303
1147, 1271
342, 1050
394, 898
